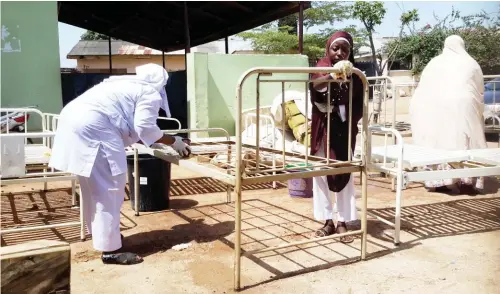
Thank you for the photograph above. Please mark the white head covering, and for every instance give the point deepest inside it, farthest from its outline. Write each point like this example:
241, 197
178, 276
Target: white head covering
446, 110
454, 45
152, 75
340, 39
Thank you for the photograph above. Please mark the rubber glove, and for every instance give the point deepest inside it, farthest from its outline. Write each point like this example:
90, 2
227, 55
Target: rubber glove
182, 148
345, 67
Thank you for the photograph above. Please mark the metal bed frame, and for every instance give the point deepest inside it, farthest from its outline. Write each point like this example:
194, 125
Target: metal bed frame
495, 116
253, 170
401, 161
32, 160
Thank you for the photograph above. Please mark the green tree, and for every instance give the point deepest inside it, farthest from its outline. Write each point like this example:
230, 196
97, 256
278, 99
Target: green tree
371, 15
280, 37
407, 19
90, 36
480, 33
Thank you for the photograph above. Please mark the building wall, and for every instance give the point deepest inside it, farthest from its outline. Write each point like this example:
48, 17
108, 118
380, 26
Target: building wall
127, 64
212, 81
30, 74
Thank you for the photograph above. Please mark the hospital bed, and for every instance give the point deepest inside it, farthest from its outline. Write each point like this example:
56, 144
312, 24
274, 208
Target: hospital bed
236, 163
23, 162
273, 136
403, 162
494, 127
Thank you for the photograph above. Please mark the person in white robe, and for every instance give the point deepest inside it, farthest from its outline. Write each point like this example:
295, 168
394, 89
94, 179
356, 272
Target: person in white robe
90, 141
446, 111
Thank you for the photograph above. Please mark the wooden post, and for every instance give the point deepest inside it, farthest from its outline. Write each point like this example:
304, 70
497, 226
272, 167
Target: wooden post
42, 266
110, 62
301, 27
226, 43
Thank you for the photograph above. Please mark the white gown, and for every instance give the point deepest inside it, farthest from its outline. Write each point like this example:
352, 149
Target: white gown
345, 200
446, 111
90, 141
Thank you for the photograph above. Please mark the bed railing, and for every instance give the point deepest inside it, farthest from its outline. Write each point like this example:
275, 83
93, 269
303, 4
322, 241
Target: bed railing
271, 75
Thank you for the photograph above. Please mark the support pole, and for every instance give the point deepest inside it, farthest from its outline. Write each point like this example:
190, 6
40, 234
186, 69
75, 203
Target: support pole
186, 29
301, 27
163, 58
226, 43
187, 38
110, 62
137, 181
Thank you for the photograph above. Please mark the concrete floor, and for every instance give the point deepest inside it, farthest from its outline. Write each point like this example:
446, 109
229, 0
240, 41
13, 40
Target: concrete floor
449, 242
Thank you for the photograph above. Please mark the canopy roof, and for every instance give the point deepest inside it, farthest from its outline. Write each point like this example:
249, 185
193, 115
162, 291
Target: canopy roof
160, 24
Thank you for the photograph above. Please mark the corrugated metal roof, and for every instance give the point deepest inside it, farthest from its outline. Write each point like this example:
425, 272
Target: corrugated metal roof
101, 48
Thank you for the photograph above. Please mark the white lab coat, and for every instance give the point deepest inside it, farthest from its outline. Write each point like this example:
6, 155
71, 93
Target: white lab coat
93, 131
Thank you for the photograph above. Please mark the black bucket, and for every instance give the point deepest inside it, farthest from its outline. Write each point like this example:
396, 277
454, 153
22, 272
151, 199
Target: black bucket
154, 179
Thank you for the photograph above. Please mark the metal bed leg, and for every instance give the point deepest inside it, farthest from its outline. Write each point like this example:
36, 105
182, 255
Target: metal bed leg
82, 217
136, 181
73, 193
397, 217
237, 238
364, 223
44, 183
393, 185
228, 200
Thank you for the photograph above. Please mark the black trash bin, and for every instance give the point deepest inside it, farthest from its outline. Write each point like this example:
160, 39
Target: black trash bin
154, 179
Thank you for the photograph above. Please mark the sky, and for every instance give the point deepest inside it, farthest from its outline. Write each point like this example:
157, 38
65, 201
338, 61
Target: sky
70, 35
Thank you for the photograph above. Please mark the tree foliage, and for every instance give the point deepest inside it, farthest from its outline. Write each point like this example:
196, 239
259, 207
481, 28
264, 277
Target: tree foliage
407, 19
280, 37
480, 32
92, 36
371, 14
274, 41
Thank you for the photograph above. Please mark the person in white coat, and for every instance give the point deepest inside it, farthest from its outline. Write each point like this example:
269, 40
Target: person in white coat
90, 141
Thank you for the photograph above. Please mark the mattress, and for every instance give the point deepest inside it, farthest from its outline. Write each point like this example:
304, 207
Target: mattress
417, 156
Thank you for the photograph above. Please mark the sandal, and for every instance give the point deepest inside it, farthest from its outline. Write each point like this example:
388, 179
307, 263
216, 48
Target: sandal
124, 258
327, 230
342, 228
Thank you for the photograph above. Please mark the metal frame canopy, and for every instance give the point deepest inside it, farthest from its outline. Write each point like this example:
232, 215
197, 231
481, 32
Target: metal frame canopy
161, 24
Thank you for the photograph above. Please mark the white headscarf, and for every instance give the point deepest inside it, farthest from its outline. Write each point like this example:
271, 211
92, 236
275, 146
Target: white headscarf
446, 111
150, 74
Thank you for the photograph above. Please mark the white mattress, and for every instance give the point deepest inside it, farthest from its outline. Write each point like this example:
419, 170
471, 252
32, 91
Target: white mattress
416, 156
37, 154
266, 133
487, 155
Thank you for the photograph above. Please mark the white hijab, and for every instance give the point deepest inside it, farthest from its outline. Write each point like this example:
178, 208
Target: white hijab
149, 74
446, 111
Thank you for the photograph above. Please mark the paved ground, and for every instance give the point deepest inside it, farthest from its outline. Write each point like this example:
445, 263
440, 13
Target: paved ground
450, 242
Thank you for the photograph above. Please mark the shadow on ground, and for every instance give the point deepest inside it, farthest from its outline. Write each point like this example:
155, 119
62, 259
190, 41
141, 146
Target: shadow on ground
263, 224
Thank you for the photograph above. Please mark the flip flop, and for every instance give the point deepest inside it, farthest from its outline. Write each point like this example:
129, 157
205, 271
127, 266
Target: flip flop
326, 230
125, 258
345, 239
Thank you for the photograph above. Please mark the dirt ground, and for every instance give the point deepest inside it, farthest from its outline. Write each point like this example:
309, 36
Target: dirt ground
450, 243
